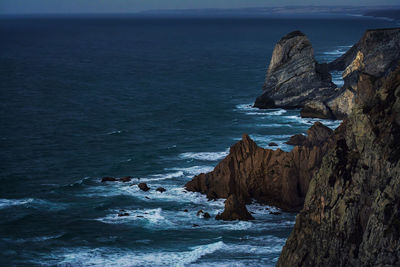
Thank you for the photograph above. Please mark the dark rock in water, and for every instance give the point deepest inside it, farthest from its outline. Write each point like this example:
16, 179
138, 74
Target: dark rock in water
235, 209
275, 213
108, 179
272, 144
206, 215
195, 225
147, 197
125, 179
185, 210
352, 209
123, 214
199, 212
144, 187
272, 177
294, 77
139, 216
161, 189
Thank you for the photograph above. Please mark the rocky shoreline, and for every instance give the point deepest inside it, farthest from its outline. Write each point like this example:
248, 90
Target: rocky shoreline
345, 182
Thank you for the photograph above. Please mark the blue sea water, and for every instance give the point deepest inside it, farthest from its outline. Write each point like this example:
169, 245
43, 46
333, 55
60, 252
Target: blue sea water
160, 100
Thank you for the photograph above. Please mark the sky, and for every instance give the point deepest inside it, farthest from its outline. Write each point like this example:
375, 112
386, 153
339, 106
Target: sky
128, 6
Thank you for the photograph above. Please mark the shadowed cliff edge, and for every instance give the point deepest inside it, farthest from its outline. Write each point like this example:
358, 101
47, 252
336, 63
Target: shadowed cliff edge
351, 215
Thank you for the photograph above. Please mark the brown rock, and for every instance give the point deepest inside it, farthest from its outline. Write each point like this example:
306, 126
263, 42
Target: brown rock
125, 179
272, 144
206, 215
161, 189
297, 140
272, 177
108, 179
123, 214
235, 209
143, 187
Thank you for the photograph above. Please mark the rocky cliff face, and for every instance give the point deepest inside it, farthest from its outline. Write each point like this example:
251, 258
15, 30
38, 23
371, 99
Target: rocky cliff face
272, 177
351, 215
376, 54
293, 76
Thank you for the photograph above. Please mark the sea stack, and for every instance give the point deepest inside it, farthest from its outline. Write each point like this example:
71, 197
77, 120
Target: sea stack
294, 77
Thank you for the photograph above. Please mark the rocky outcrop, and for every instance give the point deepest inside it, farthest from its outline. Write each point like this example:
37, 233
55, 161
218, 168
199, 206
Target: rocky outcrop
352, 209
235, 209
294, 77
273, 177
376, 54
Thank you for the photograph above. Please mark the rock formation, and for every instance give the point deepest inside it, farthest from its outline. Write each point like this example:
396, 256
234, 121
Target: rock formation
235, 209
273, 177
351, 215
294, 77
376, 54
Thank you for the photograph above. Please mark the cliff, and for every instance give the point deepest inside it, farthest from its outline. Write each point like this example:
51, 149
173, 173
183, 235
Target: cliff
294, 77
351, 214
376, 54
272, 177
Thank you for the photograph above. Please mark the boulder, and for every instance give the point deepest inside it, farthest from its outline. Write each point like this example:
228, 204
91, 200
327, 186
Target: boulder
272, 144
143, 187
235, 209
293, 76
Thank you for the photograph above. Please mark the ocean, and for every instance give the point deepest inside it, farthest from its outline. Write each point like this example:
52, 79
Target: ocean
158, 99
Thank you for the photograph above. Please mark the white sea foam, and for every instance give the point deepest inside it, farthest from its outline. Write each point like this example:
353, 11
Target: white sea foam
5, 203
152, 216
32, 239
31, 202
113, 257
205, 156
194, 170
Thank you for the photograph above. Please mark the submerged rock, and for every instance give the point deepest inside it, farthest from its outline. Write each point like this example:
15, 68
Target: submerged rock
125, 179
272, 144
272, 177
352, 209
235, 209
143, 187
108, 179
294, 77
161, 189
